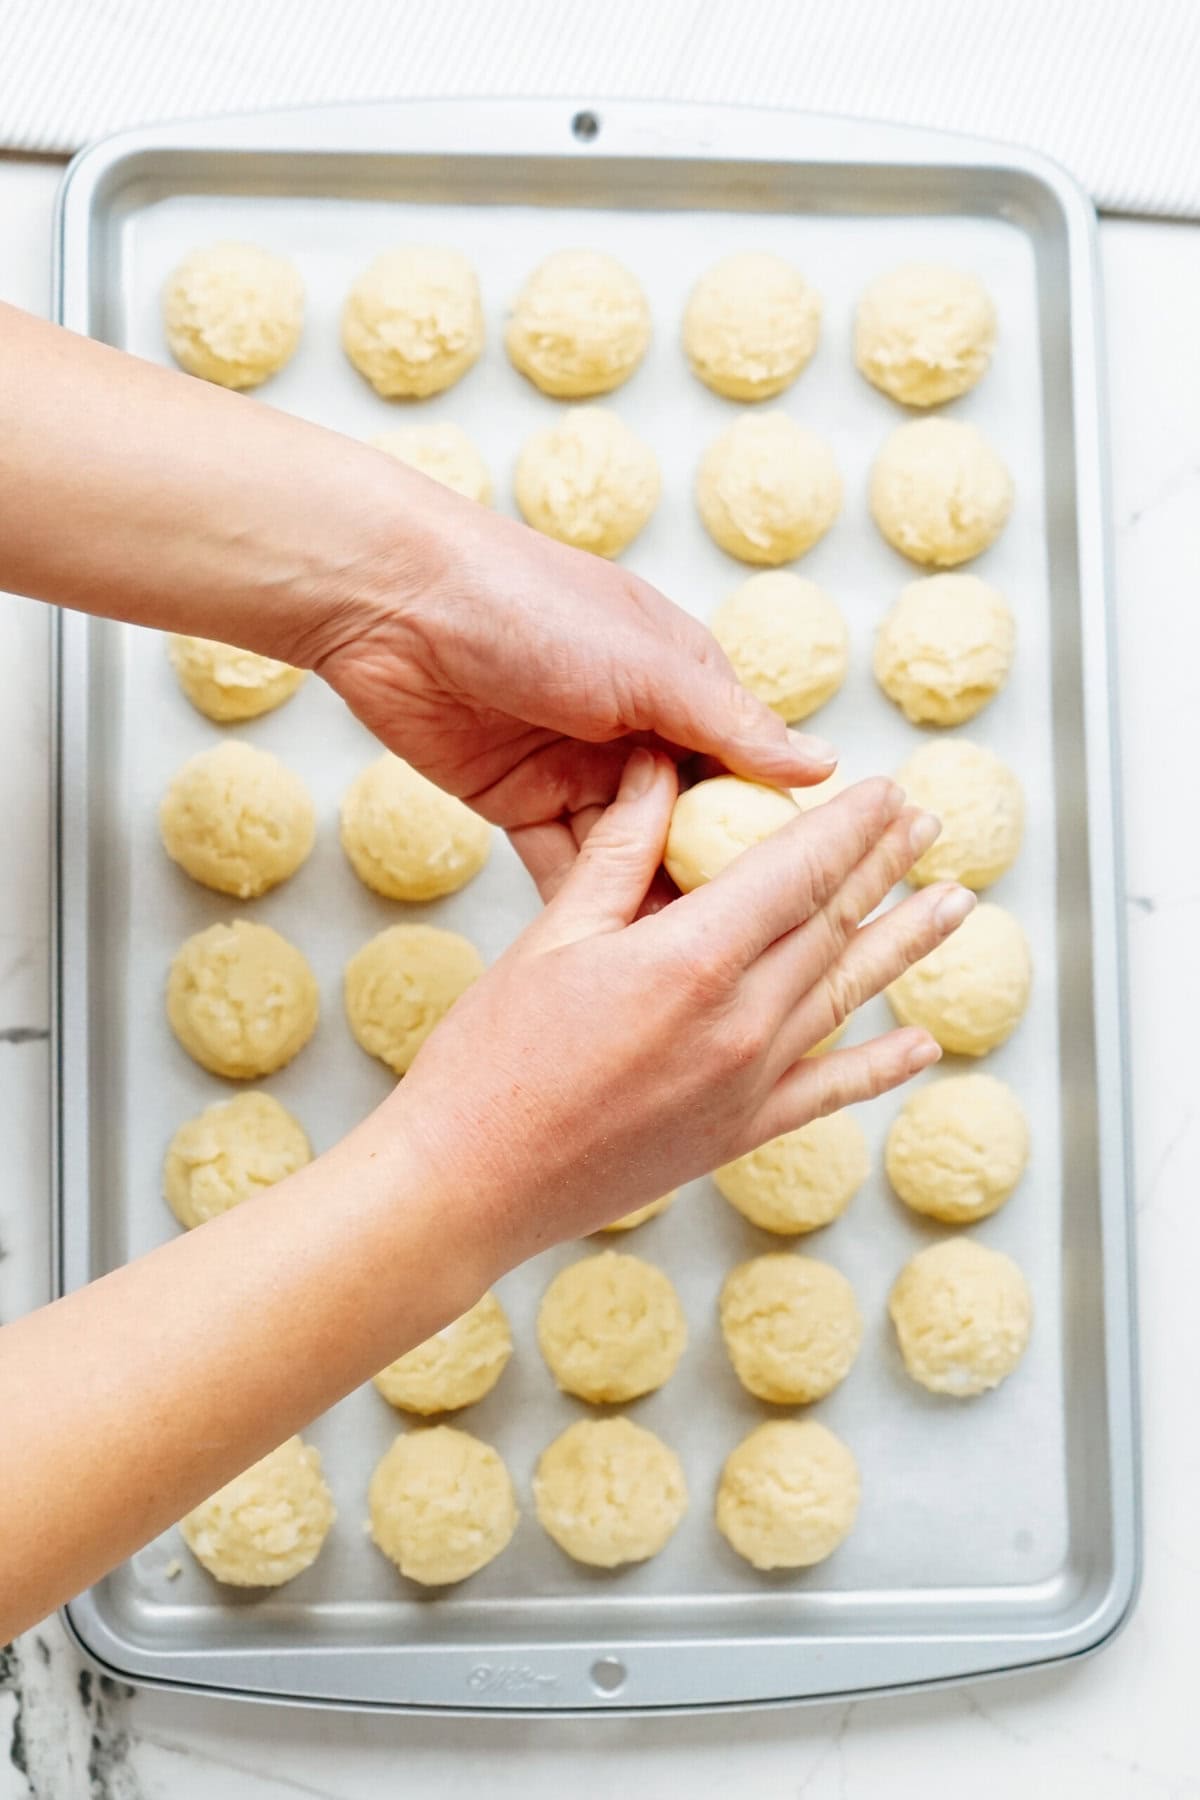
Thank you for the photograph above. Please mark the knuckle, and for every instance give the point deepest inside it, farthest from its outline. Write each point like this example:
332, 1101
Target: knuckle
843, 990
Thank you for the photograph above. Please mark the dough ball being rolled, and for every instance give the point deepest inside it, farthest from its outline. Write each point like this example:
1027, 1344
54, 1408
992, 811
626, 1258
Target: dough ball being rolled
767, 489
924, 333
611, 1328
268, 1524
628, 1221
939, 493
580, 325
787, 642
441, 1505
788, 1495
971, 992
445, 453
413, 321
791, 1326
407, 839
233, 314
228, 1153
609, 1492
227, 684
241, 1000
963, 1315
456, 1367
401, 984
237, 819
802, 1180
958, 1147
945, 649
588, 481
751, 325
713, 822
981, 805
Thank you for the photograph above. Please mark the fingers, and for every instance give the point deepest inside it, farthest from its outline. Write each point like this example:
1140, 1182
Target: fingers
620, 855
548, 851
822, 1084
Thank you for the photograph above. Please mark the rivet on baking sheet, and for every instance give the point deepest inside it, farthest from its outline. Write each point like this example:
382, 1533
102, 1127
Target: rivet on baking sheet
608, 1675
585, 126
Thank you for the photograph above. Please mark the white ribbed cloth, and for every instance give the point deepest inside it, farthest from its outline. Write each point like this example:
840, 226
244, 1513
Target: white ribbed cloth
1111, 88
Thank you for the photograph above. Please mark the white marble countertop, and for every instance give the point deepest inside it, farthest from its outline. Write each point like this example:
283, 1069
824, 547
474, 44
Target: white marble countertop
1123, 1725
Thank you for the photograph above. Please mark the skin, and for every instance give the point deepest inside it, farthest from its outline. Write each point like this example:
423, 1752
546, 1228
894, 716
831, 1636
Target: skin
559, 695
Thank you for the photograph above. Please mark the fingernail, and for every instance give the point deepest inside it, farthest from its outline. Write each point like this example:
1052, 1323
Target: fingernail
922, 1055
817, 750
923, 832
639, 773
953, 908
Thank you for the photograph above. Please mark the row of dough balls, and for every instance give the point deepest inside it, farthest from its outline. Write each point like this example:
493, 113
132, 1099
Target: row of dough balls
412, 323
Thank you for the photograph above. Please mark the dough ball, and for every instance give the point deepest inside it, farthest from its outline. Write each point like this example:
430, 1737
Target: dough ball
406, 838
413, 321
791, 1326
611, 1328
751, 325
963, 1315
981, 805
588, 481
237, 819
787, 642
925, 333
268, 1524
802, 1180
227, 684
939, 492
456, 1367
971, 992
808, 797
788, 1495
767, 489
945, 649
580, 325
609, 1492
401, 984
442, 1505
443, 452
629, 1220
228, 1153
233, 314
241, 1000
716, 820
958, 1147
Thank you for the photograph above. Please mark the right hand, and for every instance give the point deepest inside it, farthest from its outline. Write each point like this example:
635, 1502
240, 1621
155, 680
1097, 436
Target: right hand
606, 1058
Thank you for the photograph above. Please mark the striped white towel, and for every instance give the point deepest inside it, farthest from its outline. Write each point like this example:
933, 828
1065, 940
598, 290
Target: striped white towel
1111, 88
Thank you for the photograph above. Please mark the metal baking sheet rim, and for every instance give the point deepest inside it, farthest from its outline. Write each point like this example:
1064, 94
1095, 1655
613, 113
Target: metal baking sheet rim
502, 1682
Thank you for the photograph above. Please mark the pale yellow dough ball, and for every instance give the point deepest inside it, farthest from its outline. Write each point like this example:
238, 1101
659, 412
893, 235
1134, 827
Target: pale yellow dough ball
441, 1505
241, 1000
791, 1326
788, 1495
233, 313
268, 1524
401, 984
237, 820
958, 1147
963, 1315
924, 333
981, 805
228, 1153
609, 1492
456, 1367
628, 1221
588, 481
611, 1328
751, 325
802, 1180
227, 684
413, 321
945, 649
971, 992
787, 642
445, 453
713, 822
939, 493
580, 325
407, 839
767, 489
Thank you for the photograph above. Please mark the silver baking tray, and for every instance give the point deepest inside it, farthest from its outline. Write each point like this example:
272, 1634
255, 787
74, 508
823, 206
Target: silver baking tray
992, 1536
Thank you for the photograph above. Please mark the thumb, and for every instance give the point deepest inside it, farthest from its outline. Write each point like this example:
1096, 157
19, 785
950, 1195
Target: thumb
619, 857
